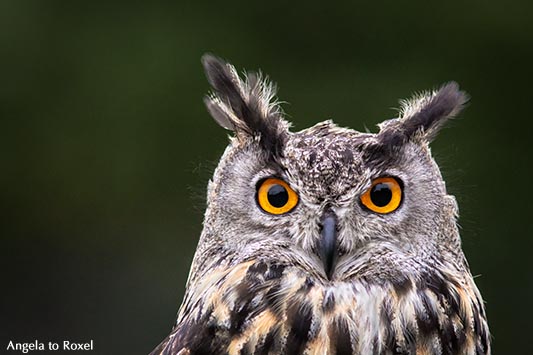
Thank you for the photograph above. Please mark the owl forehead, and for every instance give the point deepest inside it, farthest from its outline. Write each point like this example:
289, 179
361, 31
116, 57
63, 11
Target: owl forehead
326, 159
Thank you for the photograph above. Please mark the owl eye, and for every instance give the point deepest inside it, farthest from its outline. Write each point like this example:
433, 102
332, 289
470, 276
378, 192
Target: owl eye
384, 196
276, 197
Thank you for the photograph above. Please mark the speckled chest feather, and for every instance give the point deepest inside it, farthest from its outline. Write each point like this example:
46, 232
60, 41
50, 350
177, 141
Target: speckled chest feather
255, 308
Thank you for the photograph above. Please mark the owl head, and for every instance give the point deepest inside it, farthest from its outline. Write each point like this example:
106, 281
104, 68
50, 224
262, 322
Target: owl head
336, 202
327, 240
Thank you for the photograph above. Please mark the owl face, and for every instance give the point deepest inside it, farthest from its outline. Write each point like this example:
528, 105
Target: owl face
329, 171
362, 205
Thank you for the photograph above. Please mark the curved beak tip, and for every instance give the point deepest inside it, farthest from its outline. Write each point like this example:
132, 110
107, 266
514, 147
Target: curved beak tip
327, 245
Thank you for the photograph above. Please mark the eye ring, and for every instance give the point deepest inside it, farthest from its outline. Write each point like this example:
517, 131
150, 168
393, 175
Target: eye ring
384, 195
276, 197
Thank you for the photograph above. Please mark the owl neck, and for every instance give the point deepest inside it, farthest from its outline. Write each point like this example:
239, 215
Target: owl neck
259, 306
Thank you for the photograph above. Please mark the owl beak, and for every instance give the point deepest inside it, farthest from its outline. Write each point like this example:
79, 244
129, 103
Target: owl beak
327, 245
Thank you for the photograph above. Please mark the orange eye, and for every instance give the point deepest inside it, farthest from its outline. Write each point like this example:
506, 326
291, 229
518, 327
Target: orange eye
276, 197
384, 196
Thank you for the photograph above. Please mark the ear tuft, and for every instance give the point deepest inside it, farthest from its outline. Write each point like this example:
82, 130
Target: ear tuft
423, 116
247, 106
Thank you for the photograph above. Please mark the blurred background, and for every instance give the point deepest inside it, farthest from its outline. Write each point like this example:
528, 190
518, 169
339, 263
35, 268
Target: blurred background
106, 147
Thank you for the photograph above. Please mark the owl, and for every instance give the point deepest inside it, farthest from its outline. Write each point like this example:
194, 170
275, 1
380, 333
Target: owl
327, 240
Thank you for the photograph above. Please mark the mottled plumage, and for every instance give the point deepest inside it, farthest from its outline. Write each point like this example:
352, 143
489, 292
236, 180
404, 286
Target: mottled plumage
330, 276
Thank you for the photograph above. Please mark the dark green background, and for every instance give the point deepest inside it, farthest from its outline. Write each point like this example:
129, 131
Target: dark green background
106, 148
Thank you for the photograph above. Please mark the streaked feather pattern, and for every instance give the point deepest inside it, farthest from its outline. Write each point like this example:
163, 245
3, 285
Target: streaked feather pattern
257, 308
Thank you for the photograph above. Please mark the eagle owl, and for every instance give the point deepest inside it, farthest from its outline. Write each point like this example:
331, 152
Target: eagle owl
327, 240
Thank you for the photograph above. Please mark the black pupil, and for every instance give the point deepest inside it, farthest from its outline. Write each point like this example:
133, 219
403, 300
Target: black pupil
278, 196
381, 194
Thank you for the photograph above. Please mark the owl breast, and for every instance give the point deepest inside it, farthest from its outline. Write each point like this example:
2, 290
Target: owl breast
257, 308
